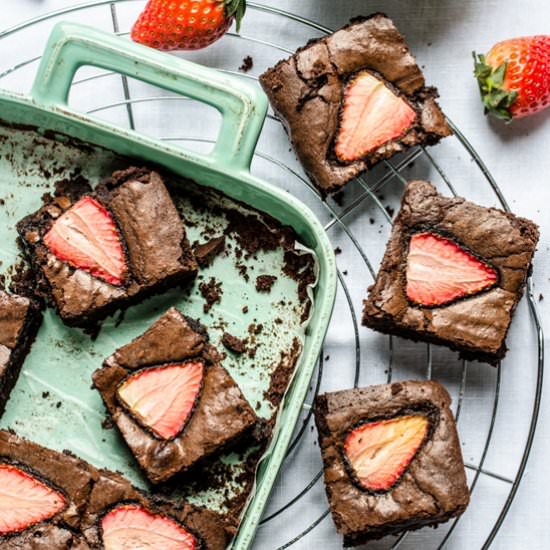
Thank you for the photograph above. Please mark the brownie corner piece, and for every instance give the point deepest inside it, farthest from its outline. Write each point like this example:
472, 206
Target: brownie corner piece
452, 274
97, 251
323, 90
20, 319
171, 399
392, 459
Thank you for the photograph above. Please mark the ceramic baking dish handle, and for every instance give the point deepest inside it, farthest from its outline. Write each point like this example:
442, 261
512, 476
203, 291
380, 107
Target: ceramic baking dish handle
242, 106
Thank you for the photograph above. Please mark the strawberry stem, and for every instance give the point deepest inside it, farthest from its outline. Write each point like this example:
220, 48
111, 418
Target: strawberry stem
497, 100
237, 9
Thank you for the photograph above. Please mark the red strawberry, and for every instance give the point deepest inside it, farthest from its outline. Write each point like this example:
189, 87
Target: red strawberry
371, 116
440, 271
86, 237
132, 527
379, 452
514, 77
25, 500
186, 25
162, 398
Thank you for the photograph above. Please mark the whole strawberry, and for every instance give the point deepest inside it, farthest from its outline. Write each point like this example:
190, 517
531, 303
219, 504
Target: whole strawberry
514, 77
186, 24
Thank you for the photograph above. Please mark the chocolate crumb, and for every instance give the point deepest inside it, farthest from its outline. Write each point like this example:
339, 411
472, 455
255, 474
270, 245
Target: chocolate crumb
338, 250
212, 292
245, 309
248, 63
265, 282
390, 211
206, 252
107, 423
45, 394
541, 297
237, 345
58, 405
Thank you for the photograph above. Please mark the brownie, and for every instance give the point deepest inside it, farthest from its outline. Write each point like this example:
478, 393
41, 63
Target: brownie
68, 476
476, 323
220, 415
20, 319
308, 90
112, 491
129, 243
429, 489
91, 495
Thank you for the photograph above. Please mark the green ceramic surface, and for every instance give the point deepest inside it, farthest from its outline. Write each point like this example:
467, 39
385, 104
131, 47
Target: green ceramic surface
53, 403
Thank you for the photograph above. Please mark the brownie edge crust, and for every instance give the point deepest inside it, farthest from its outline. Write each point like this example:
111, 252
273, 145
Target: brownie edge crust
431, 490
477, 325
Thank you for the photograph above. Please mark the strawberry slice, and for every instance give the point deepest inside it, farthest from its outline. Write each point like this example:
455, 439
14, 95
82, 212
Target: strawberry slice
162, 398
440, 271
132, 527
25, 500
371, 116
86, 237
379, 452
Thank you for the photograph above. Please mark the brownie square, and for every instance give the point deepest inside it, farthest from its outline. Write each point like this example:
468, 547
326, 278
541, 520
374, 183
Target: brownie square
96, 504
475, 322
20, 319
220, 415
112, 494
70, 479
95, 252
308, 92
428, 489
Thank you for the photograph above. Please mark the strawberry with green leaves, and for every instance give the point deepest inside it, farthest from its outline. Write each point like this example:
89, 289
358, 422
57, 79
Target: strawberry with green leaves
514, 77
186, 24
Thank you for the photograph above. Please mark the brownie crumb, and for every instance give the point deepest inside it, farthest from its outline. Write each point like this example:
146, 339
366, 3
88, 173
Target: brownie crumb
541, 297
206, 252
237, 345
371, 221
390, 211
45, 394
212, 292
339, 198
248, 63
265, 282
338, 250
107, 423
58, 405
245, 309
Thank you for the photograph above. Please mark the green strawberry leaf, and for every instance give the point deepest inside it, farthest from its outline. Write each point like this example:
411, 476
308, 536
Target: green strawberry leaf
497, 100
237, 9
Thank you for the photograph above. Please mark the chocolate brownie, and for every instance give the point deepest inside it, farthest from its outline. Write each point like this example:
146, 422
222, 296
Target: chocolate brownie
59, 486
78, 507
392, 459
453, 273
171, 399
113, 500
351, 99
95, 252
19, 321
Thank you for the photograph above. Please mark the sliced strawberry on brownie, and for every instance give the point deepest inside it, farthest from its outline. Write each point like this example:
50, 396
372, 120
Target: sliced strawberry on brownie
96, 251
131, 526
86, 237
372, 115
379, 452
162, 399
25, 500
440, 271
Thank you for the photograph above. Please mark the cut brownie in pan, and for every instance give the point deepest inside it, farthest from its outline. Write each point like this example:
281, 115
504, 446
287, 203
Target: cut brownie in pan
98, 251
351, 99
57, 485
19, 322
171, 399
77, 507
392, 459
452, 274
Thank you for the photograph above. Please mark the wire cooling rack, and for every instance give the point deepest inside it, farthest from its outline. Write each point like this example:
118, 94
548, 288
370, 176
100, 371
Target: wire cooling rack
492, 406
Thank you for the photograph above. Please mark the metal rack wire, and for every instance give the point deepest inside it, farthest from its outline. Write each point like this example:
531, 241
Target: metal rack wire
366, 192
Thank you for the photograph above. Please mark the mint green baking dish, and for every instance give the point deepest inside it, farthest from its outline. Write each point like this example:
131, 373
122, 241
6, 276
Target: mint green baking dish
226, 169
